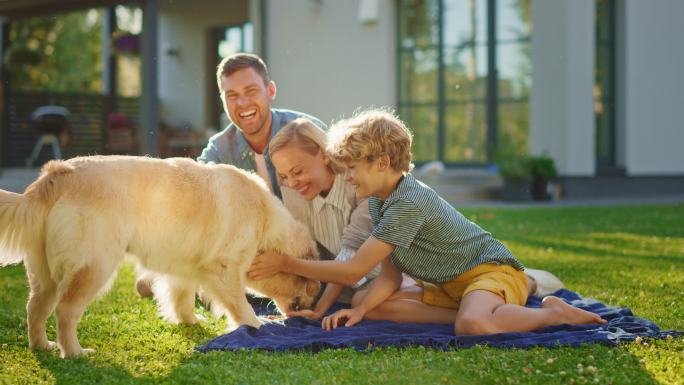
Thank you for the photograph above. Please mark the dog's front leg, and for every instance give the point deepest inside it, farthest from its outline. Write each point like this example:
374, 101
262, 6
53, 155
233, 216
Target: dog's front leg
184, 304
176, 299
228, 290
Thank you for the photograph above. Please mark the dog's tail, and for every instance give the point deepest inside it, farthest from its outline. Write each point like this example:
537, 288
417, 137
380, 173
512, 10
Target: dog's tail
22, 216
16, 225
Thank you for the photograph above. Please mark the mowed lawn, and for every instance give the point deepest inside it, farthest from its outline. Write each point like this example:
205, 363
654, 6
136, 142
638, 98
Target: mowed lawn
624, 256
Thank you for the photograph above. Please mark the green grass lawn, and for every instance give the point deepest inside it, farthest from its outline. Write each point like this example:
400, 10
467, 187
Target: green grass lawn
623, 256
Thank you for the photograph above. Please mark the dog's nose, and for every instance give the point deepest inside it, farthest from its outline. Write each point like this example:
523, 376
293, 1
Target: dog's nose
297, 306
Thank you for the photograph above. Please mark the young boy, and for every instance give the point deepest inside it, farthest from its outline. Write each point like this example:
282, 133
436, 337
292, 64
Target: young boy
458, 264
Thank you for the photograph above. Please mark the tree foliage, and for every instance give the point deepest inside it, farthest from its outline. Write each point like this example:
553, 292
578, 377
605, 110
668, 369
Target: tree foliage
59, 53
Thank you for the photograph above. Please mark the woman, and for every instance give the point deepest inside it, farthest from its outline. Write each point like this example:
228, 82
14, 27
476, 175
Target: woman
315, 193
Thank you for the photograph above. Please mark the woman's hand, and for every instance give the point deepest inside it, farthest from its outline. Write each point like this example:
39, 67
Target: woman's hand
306, 313
353, 316
266, 265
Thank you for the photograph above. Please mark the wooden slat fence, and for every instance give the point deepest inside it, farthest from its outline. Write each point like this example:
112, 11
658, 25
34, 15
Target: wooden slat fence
87, 121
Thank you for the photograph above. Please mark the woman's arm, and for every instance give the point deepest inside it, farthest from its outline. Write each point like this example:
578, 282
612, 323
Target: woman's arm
359, 227
346, 273
382, 288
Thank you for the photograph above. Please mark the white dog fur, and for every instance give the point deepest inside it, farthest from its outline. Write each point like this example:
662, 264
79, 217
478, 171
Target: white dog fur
198, 226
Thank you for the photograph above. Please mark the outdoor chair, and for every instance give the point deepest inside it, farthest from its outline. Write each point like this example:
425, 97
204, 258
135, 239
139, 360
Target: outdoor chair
121, 135
53, 124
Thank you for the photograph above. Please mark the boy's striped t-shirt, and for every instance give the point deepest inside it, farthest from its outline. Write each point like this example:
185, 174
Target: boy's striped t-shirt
435, 243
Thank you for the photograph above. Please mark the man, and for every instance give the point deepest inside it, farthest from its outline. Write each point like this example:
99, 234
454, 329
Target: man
247, 93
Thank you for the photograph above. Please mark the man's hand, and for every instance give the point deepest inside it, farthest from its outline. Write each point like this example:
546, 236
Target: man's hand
266, 264
352, 317
306, 313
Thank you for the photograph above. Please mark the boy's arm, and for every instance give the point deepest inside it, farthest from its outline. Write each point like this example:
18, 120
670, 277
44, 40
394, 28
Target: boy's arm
330, 294
346, 273
388, 282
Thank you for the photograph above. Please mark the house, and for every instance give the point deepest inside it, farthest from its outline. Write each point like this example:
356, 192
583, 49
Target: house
595, 84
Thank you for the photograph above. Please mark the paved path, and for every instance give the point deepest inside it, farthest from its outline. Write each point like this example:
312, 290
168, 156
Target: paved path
16, 180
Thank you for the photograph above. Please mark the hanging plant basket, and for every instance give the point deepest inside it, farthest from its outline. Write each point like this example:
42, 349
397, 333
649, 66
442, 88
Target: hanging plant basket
126, 44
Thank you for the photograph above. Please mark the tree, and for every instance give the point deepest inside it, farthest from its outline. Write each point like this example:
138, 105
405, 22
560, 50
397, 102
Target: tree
59, 53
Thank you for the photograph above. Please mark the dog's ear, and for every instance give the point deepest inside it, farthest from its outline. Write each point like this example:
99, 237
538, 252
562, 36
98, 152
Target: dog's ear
312, 287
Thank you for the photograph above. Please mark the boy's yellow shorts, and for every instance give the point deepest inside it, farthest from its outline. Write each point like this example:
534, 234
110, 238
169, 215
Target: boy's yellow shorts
502, 280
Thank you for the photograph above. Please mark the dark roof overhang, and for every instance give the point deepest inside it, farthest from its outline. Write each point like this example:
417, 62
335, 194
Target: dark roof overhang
23, 9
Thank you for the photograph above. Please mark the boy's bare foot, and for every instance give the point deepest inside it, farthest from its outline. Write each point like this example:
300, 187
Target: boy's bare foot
568, 314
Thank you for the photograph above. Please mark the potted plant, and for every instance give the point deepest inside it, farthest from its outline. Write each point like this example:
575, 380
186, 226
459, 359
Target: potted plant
543, 170
517, 177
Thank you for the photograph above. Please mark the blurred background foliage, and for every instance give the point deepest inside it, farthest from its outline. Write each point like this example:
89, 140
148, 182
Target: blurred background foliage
64, 52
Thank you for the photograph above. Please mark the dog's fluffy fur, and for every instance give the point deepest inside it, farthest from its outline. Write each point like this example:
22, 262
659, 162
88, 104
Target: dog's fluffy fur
198, 226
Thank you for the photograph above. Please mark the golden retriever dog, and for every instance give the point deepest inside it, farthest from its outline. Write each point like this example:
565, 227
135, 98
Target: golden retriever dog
197, 226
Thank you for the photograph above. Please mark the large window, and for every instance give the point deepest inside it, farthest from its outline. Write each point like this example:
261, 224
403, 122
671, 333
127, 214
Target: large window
225, 42
234, 39
604, 86
514, 75
458, 105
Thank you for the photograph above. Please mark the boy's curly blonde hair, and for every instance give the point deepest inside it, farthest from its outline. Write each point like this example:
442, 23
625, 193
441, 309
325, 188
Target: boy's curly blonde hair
370, 134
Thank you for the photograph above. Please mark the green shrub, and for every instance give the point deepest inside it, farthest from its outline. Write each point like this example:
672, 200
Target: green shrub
542, 166
520, 167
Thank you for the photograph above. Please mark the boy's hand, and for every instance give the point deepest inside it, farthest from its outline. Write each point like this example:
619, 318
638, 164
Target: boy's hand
352, 317
306, 313
267, 264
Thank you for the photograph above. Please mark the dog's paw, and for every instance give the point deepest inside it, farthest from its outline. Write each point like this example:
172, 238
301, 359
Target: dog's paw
192, 319
86, 351
48, 345
231, 326
78, 353
255, 324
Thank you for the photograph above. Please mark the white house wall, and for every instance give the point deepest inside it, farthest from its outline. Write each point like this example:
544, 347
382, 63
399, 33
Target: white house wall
562, 116
654, 87
649, 85
328, 63
184, 26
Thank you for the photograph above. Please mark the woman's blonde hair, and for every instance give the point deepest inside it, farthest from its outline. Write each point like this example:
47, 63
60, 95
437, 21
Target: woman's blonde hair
306, 136
370, 134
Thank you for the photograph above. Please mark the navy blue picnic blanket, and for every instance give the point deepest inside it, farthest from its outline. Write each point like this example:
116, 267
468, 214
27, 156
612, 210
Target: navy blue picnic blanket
299, 333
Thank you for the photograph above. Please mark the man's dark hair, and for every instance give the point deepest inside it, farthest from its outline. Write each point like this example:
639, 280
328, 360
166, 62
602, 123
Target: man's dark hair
239, 61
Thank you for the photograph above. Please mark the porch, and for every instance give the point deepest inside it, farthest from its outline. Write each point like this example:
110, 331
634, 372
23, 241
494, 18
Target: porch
149, 126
